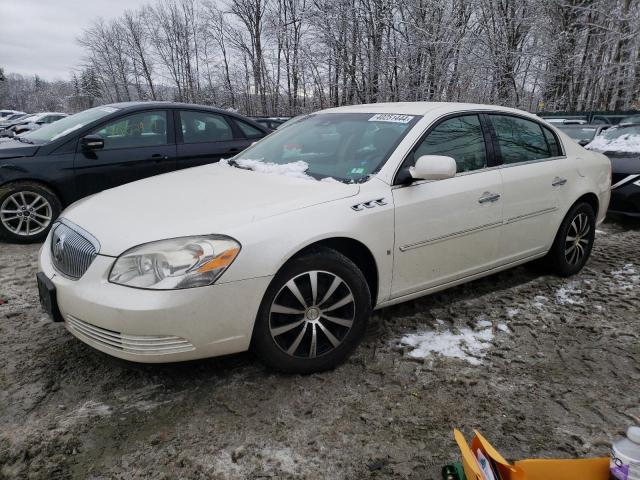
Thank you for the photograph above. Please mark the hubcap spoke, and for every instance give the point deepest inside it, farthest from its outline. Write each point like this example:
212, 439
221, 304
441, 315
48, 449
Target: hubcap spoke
313, 279
293, 288
313, 349
334, 341
275, 308
339, 321
285, 328
346, 300
294, 346
334, 286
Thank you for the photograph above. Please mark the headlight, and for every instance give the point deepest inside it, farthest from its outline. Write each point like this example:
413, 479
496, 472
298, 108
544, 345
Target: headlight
176, 263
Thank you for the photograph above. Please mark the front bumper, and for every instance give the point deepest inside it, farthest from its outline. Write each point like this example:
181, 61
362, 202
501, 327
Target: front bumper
156, 326
625, 200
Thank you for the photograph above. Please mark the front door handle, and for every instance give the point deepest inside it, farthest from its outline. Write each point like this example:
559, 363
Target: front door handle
489, 197
558, 181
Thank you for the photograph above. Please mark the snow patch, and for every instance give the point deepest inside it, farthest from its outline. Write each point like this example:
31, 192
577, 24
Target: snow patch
512, 312
567, 295
503, 327
539, 301
626, 142
468, 344
627, 278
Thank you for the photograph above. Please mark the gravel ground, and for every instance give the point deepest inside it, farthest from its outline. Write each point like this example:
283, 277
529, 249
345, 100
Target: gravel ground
554, 373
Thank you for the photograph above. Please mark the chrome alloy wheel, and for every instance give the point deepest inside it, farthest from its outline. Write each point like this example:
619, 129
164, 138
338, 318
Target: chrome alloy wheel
26, 213
577, 240
312, 314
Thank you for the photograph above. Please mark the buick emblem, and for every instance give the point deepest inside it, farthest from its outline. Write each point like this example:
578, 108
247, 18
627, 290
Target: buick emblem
58, 248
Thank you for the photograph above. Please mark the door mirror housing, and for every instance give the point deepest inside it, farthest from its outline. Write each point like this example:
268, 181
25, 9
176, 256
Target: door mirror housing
433, 167
92, 142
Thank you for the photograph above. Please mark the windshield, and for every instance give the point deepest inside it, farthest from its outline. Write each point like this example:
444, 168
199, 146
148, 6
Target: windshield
345, 146
618, 139
66, 125
578, 134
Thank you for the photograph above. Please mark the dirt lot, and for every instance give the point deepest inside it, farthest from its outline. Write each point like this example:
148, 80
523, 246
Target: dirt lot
555, 372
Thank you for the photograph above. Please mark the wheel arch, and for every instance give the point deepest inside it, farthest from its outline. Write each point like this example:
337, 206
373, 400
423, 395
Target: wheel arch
590, 198
40, 183
354, 250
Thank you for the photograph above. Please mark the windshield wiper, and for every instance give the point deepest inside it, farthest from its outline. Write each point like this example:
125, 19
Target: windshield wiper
233, 163
23, 140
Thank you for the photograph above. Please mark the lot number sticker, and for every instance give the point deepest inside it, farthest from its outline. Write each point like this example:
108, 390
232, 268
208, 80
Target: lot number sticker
391, 117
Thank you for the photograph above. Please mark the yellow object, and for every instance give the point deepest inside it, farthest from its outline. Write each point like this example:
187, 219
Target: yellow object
531, 469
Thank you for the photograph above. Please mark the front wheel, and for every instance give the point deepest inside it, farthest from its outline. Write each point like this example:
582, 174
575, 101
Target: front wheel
27, 211
574, 241
313, 314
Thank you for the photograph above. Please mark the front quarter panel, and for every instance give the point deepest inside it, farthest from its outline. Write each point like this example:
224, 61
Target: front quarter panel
269, 243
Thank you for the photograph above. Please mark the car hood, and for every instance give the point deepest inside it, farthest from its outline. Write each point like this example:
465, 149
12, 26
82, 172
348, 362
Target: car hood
624, 163
197, 201
13, 148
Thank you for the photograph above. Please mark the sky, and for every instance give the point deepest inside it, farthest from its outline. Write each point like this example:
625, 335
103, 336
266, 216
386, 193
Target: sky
39, 36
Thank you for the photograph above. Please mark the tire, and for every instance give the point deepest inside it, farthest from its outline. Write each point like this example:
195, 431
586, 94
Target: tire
27, 211
284, 340
574, 241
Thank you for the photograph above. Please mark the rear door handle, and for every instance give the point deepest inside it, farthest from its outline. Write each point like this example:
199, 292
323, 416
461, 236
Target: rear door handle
157, 157
558, 181
489, 197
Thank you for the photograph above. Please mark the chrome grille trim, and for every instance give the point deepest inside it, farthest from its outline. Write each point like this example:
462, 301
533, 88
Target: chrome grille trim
72, 249
134, 344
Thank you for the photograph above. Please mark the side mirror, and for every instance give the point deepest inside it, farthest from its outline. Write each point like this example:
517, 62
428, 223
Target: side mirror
92, 142
433, 167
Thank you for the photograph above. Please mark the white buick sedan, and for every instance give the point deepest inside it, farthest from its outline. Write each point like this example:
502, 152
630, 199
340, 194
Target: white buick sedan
288, 247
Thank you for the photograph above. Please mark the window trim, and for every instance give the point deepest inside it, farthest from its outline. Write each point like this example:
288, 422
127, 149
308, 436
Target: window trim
492, 158
178, 124
170, 129
542, 126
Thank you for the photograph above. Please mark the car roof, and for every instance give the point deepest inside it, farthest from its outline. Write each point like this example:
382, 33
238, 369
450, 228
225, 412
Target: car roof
166, 104
422, 108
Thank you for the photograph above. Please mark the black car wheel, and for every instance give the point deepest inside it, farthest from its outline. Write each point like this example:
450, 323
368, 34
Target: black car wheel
27, 211
313, 314
574, 241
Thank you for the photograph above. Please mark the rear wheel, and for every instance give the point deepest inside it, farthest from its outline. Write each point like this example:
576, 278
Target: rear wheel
27, 211
574, 241
313, 314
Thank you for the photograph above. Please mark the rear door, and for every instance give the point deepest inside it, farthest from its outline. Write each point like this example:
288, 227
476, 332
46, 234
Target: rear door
448, 229
206, 137
532, 174
136, 146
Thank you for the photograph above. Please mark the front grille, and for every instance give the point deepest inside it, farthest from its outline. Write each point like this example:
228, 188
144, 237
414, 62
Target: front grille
135, 344
71, 252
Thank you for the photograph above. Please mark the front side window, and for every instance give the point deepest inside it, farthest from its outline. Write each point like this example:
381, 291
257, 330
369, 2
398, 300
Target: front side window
202, 127
66, 125
519, 140
460, 138
345, 146
144, 129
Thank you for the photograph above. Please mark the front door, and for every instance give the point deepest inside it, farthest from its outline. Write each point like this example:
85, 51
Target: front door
136, 146
448, 229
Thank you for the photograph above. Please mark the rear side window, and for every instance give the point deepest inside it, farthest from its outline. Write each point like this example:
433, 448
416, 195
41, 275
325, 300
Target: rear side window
520, 140
248, 130
202, 127
552, 141
460, 138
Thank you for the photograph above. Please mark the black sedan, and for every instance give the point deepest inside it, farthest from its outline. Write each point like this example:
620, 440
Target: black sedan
45, 170
622, 145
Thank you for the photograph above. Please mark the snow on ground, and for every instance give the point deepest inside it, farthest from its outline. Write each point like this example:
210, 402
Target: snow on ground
626, 278
569, 294
467, 344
